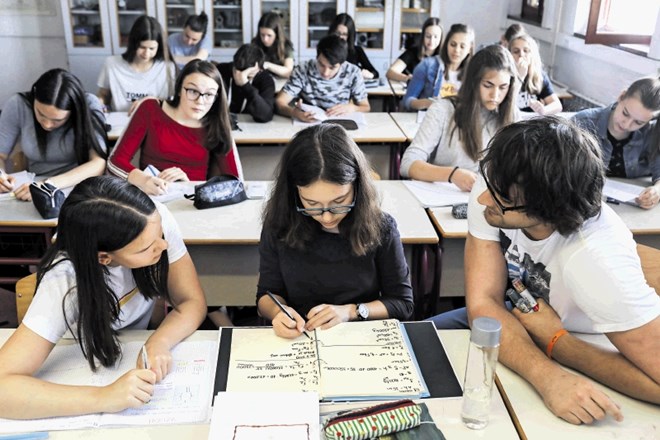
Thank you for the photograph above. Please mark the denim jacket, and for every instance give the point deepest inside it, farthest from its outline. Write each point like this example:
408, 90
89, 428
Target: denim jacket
426, 80
636, 153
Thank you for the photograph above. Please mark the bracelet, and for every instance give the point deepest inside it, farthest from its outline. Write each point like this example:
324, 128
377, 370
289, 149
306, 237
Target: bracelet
553, 341
451, 174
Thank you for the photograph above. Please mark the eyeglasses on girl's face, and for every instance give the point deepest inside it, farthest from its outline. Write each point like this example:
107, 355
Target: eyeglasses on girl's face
314, 212
194, 95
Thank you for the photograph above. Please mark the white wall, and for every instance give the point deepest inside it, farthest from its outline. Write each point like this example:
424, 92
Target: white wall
29, 46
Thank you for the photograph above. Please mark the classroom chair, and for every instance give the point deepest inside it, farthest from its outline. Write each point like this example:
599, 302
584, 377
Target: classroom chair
650, 258
25, 288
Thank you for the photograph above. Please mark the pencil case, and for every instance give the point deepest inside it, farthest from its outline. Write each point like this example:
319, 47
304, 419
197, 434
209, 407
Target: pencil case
374, 421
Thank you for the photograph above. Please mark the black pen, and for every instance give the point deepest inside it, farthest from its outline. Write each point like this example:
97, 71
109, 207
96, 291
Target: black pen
286, 312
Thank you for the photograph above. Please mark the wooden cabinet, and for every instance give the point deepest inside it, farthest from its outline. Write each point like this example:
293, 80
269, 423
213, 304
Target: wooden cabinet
316, 16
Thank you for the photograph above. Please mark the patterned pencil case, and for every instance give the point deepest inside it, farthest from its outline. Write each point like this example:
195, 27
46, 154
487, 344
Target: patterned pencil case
374, 421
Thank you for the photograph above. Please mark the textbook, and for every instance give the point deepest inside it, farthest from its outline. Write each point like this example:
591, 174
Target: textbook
183, 396
370, 360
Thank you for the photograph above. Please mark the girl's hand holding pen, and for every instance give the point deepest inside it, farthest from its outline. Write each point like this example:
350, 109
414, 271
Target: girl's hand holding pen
6, 182
154, 186
285, 327
158, 361
131, 390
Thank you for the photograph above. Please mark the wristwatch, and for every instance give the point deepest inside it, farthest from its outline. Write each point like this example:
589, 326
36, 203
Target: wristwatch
362, 312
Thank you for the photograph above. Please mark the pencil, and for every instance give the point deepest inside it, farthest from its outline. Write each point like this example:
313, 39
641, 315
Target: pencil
145, 358
286, 312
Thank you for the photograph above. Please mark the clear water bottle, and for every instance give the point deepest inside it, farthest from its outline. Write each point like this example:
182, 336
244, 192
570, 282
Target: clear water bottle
480, 372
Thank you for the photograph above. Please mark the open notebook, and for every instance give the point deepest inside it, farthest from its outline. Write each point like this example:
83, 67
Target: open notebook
368, 360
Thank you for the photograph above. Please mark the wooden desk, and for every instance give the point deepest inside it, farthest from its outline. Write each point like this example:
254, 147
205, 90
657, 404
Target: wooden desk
223, 243
390, 92
18, 218
445, 412
266, 143
641, 420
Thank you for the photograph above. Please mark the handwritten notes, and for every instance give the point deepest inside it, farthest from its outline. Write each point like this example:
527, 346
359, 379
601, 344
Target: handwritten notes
353, 360
183, 396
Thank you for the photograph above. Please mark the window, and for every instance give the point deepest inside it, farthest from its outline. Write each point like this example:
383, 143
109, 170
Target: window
621, 21
532, 10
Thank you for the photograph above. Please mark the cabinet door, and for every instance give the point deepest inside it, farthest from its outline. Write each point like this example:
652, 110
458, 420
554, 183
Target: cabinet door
409, 16
231, 26
172, 14
123, 14
373, 23
86, 27
316, 16
287, 9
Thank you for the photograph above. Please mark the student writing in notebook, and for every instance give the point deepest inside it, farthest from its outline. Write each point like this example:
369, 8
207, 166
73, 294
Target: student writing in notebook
144, 69
327, 251
625, 133
329, 82
402, 68
116, 253
455, 130
186, 138
61, 130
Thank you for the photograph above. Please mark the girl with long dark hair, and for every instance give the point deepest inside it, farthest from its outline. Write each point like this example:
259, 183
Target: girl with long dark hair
116, 252
61, 131
327, 251
272, 39
344, 28
186, 138
403, 67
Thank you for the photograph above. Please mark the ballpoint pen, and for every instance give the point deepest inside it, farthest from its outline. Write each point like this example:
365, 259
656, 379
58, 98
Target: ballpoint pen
286, 312
145, 358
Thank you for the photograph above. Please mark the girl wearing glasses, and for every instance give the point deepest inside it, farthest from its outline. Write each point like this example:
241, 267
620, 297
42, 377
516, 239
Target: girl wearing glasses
143, 70
273, 41
344, 28
116, 255
186, 138
455, 130
327, 251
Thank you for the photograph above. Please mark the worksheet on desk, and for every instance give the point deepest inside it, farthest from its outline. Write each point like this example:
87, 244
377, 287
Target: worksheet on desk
183, 396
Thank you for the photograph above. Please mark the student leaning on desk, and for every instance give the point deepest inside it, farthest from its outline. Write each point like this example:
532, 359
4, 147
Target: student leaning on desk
67, 142
116, 252
629, 135
186, 138
329, 82
537, 215
327, 250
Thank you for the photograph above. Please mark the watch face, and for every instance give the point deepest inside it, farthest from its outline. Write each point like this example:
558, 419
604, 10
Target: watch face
362, 311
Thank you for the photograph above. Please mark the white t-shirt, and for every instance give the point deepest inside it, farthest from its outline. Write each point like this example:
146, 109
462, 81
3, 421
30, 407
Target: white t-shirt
127, 85
592, 278
45, 317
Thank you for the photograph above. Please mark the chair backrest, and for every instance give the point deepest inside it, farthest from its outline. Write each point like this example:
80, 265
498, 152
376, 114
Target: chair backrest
25, 288
650, 258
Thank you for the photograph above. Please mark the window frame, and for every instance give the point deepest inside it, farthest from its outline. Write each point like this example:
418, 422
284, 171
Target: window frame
594, 36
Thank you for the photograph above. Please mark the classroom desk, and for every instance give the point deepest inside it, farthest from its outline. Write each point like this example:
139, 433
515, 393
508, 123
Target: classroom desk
407, 122
445, 412
266, 142
390, 92
17, 218
641, 420
223, 243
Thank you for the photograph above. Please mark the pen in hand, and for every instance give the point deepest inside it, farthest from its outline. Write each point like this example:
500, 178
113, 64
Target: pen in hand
145, 358
285, 311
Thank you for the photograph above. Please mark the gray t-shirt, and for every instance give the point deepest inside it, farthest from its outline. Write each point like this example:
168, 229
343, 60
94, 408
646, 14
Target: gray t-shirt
307, 83
127, 85
17, 125
179, 49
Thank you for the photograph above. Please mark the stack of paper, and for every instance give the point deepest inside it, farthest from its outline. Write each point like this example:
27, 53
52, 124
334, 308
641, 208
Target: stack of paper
436, 194
621, 192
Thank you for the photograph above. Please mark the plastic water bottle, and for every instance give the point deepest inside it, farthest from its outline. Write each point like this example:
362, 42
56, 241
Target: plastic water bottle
480, 372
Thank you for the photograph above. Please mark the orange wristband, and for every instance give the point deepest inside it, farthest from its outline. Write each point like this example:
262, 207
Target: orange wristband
553, 341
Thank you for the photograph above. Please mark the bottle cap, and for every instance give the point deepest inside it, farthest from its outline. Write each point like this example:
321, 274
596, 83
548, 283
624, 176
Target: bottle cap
486, 332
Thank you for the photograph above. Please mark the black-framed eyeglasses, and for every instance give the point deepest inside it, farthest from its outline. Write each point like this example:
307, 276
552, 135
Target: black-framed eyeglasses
495, 197
315, 212
194, 95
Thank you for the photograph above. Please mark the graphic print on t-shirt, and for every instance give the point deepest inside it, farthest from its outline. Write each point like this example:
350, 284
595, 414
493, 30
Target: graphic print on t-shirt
534, 275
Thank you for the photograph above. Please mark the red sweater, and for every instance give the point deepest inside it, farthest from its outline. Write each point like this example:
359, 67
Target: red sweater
164, 143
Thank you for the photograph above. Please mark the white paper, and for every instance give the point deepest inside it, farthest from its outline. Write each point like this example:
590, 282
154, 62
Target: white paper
183, 396
436, 194
622, 192
265, 416
321, 116
21, 178
257, 189
421, 114
117, 119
